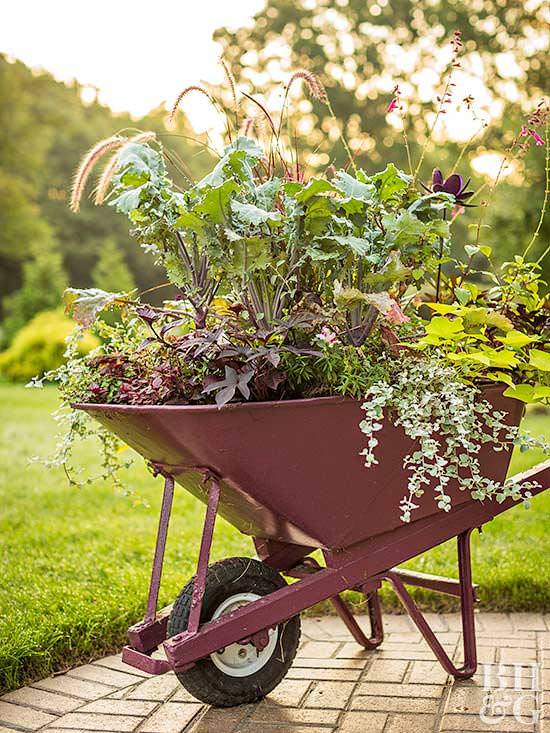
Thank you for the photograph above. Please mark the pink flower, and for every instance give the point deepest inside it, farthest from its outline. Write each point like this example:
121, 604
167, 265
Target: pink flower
395, 314
328, 336
457, 210
525, 131
392, 105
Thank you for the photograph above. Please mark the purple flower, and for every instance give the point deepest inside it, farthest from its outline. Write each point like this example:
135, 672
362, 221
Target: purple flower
453, 185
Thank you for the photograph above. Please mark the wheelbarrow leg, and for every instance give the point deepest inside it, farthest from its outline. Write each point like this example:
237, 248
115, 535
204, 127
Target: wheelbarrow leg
467, 599
156, 572
375, 616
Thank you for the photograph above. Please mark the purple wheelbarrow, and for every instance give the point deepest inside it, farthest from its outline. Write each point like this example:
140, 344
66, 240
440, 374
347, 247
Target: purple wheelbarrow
290, 475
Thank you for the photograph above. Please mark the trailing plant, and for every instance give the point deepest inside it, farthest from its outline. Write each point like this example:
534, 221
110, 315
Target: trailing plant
292, 285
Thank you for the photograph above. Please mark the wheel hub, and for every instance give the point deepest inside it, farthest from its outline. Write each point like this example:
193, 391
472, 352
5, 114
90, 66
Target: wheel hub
242, 659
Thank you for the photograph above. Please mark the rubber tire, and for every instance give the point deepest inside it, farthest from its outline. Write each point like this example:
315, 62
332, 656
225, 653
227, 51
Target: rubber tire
204, 680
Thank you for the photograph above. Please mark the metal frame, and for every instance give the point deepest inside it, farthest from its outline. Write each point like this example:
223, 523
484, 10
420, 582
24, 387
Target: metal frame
363, 567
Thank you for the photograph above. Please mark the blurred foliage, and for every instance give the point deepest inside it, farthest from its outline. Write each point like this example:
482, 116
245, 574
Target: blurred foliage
362, 48
39, 346
111, 272
44, 130
43, 282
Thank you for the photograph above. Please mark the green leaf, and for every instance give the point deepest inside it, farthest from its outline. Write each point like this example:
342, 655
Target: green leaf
358, 246
500, 377
463, 295
445, 327
213, 204
403, 229
478, 356
84, 305
247, 145
127, 201
444, 308
314, 187
190, 221
521, 392
266, 193
250, 254
541, 392
516, 339
540, 360
353, 188
390, 181
437, 229
502, 358
253, 215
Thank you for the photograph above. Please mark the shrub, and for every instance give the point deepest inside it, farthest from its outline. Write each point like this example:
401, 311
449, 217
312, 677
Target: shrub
39, 346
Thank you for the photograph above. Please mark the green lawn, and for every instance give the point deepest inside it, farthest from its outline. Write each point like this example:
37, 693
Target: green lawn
76, 563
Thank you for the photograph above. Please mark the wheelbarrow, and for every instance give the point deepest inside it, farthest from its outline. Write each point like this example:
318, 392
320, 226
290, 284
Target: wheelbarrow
289, 474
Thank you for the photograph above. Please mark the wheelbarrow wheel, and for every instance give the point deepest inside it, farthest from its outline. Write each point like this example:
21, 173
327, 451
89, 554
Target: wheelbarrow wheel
239, 673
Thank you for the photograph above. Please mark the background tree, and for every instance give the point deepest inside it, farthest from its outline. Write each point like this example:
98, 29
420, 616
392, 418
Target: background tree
43, 281
45, 128
362, 48
111, 272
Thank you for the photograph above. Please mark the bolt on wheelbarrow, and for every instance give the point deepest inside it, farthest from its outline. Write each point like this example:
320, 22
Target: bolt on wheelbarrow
234, 630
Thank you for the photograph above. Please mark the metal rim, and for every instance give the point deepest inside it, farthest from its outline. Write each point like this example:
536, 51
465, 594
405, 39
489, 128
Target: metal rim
242, 660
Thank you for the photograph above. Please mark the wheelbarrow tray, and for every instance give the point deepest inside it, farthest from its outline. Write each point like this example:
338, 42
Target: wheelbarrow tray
291, 475
291, 470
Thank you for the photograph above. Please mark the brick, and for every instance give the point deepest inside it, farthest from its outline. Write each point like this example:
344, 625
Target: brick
517, 656
318, 649
274, 714
363, 722
466, 700
312, 673
395, 704
47, 701
499, 623
182, 695
289, 693
172, 717
97, 722
333, 626
115, 662
528, 622
410, 724
330, 663
223, 720
388, 689
474, 723
140, 708
316, 628
516, 642
405, 637
252, 727
106, 676
352, 650
25, 717
397, 623
544, 640
329, 695
485, 654
387, 670
437, 622
431, 673
454, 622
421, 654
72, 686
155, 688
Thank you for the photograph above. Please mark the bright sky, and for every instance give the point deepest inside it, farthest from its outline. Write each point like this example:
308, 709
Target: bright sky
138, 53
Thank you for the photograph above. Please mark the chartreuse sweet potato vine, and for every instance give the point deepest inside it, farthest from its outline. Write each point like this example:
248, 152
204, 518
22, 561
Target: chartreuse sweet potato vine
291, 285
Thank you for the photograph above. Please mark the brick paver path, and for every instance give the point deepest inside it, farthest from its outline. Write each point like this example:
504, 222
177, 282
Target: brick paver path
333, 686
